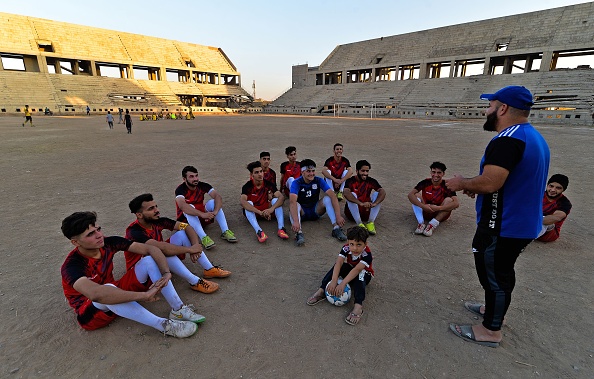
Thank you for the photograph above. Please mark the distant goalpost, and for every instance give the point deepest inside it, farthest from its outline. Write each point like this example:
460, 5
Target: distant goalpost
372, 106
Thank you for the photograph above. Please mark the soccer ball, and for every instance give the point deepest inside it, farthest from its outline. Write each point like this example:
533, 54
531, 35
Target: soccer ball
341, 300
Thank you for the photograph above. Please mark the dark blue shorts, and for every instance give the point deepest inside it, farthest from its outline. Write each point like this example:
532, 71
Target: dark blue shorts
309, 214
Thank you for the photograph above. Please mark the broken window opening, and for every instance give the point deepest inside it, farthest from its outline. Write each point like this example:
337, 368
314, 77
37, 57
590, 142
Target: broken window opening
385, 74
469, 67
230, 79
502, 46
438, 70
514, 64
319, 79
13, 62
181, 76
377, 59
359, 76
45, 46
108, 70
407, 72
333, 77
573, 59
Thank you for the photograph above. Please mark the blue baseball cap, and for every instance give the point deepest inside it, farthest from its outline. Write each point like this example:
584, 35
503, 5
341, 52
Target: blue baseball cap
514, 96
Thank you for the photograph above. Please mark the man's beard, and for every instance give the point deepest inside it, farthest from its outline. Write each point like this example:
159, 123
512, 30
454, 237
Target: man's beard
554, 197
491, 123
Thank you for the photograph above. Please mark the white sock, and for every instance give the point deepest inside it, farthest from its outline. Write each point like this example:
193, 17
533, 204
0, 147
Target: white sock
434, 222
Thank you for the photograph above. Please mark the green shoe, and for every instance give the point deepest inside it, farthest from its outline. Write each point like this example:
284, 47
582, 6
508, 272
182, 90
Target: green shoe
362, 225
370, 228
207, 242
229, 236
339, 195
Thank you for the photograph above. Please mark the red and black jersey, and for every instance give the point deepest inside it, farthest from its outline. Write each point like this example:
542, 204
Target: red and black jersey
193, 197
289, 170
99, 270
434, 195
260, 197
270, 175
365, 258
559, 204
362, 188
337, 168
138, 233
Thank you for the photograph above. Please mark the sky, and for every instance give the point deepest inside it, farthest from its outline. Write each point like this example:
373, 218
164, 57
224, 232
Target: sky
264, 39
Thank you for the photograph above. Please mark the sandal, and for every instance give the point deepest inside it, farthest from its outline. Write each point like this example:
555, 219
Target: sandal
313, 300
355, 318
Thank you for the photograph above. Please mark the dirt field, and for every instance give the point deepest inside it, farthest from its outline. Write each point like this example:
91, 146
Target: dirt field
258, 325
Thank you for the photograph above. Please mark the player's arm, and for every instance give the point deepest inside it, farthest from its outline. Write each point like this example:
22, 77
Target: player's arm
351, 275
249, 207
294, 210
111, 295
416, 198
335, 273
334, 199
187, 208
449, 206
349, 196
348, 174
190, 232
279, 202
158, 257
554, 218
327, 174
381, 195
218, 200
490, 181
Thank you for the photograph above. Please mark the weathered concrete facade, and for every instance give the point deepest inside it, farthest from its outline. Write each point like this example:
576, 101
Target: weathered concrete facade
66, 67
440, 73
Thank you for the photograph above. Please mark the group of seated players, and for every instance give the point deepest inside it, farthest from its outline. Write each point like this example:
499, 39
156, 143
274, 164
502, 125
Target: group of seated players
97, 298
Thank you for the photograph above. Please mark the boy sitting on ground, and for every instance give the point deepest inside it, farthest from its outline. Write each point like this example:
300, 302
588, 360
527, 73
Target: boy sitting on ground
354, 265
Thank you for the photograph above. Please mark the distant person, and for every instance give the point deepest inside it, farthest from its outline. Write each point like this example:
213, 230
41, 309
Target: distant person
355, 266
109, 119
48, 112
28, 116
364, 196
337, 169
555, 208
432, 201
269, 174
128, 121
88, 111
261, 199
98, 298
289, 170
305, 203
121, 113
189, 202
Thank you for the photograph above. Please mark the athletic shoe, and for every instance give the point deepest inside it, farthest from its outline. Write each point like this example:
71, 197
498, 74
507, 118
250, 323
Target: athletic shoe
429, 230
229, 236
216, 272
205, 286
262, 237
207, 242
339, 234
299, 239
362, 225
186, 313
179, 329
339, 195
370, 226
282, 233
420, 228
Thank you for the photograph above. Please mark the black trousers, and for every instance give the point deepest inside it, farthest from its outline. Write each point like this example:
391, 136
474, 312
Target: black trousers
357, 285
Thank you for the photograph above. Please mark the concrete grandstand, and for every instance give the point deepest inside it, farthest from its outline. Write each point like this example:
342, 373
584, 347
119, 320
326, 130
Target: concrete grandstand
66, 67
440, 73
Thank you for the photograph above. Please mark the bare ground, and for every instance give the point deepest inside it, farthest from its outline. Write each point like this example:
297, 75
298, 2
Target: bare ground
258, 325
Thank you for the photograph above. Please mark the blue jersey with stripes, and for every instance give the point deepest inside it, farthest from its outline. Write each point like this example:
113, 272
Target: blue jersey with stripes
515, 210
308, 194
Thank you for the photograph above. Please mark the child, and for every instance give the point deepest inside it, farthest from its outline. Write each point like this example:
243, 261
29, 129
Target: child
354, 266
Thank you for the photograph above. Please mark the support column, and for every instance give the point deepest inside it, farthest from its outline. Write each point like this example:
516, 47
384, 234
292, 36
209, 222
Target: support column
547, 59
423, 70
93, 68
130, 71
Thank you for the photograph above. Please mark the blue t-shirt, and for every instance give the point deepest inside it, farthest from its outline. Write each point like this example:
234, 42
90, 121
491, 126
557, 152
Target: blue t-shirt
515, 210
308, 194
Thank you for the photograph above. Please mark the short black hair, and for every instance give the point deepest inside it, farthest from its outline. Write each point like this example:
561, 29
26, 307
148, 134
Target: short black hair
362, 163
307, 163
77, 223
337, 144
187, 169
438, 165
290, 149
253, 165
264, 154
357, 233
136, 204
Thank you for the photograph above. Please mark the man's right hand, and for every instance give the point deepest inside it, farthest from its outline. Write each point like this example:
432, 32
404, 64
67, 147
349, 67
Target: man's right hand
296, 227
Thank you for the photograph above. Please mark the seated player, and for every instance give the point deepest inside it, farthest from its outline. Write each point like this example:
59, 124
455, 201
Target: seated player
305, 203
261, 199
148, 229
95, 295
269, 174
289, 170
363, 196
189, 202
355, 266
337, 169
432, 202
555, 208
